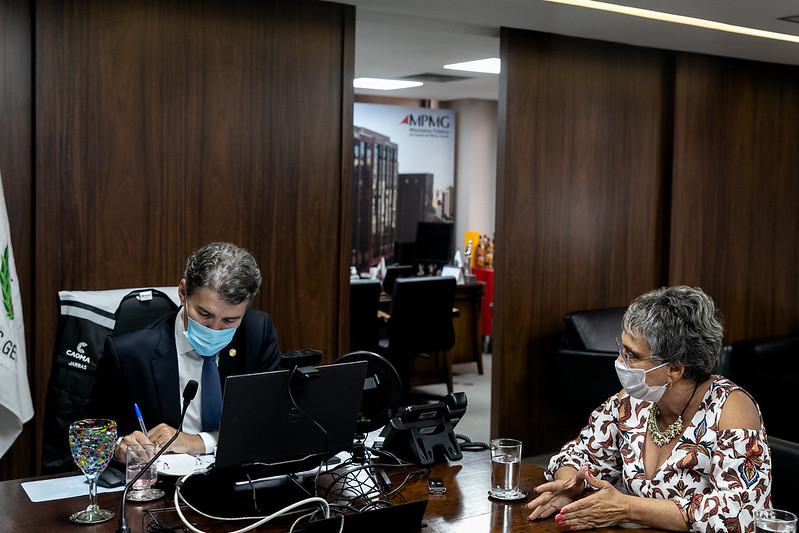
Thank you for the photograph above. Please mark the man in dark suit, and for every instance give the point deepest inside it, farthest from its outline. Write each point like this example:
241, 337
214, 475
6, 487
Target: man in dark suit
213, 335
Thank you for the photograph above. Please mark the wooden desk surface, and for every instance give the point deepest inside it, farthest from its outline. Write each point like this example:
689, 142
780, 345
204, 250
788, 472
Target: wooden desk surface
464, 507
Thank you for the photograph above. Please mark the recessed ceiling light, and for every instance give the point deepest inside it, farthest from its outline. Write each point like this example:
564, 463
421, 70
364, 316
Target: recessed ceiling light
384, 84
679, 19
491, 65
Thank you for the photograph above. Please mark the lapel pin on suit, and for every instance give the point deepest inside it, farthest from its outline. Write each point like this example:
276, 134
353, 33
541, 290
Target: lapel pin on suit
232, 352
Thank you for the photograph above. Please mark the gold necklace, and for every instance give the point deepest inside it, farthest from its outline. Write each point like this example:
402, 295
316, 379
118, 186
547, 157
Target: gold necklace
665, 436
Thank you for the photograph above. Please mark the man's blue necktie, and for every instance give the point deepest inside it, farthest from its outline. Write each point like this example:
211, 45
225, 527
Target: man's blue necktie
211, 394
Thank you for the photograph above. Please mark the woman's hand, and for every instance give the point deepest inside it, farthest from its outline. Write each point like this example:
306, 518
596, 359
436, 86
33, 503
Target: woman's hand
605, 507
555, 495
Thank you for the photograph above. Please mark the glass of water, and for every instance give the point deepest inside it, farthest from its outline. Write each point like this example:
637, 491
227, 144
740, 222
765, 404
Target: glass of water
506, 462
771, 520
137, 457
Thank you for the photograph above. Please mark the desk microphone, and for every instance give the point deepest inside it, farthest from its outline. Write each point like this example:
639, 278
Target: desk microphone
189, 392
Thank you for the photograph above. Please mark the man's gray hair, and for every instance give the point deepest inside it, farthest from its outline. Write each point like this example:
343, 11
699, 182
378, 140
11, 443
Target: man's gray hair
681, 325
226, 269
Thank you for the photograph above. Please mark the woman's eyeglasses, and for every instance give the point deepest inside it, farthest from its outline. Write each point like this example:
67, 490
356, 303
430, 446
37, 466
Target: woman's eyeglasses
632, 357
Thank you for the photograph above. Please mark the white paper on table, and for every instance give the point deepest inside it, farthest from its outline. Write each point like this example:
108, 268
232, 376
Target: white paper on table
180, 464
59, 488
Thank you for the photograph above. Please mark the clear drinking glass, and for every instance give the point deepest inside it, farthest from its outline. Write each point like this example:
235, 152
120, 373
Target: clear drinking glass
92, 443
136, 457
774, 520
506, 463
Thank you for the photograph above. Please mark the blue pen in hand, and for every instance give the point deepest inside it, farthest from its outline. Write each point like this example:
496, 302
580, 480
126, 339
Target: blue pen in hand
141, 420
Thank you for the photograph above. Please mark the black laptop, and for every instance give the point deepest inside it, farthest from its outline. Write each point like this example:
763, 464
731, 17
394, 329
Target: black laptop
287, 422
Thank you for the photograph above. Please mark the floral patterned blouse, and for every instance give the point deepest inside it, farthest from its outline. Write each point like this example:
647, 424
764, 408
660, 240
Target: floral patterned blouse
717, 478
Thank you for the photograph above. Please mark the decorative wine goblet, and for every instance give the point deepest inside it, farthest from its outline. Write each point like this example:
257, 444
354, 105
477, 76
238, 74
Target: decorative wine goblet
92, 443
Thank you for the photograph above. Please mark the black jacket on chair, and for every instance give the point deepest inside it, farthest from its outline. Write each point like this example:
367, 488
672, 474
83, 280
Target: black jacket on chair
142, 367
85, 320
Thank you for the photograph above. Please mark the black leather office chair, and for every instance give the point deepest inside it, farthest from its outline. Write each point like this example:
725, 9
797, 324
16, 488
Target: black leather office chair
767, 368
420, 322
364, 322
784, 472
140, 308
723, 366
585, 360
594, 330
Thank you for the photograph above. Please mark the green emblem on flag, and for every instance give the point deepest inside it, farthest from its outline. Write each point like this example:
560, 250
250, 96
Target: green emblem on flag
5, 285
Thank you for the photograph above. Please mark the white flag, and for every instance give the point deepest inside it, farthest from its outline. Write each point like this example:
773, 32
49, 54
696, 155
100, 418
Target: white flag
16, 407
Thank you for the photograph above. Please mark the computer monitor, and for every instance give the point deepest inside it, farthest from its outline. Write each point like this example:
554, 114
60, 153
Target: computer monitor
395, 272
275, 425
433, 242
280, 422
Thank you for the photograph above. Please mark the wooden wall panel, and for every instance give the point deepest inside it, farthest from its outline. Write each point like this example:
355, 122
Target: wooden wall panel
579, 208
163, 126
16, 130
735, 223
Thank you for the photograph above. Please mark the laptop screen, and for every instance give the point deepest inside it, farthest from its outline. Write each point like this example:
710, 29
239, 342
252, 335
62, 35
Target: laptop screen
282, 421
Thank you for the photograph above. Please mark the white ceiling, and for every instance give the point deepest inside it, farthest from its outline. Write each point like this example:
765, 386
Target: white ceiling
397, 38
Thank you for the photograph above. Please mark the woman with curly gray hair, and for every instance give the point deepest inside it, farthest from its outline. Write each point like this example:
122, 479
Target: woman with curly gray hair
678, 448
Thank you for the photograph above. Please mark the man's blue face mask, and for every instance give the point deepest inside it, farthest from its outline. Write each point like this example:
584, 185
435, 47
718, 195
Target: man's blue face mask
207, 341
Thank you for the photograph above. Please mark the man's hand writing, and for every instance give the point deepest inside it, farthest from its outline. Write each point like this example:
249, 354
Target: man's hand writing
192, 444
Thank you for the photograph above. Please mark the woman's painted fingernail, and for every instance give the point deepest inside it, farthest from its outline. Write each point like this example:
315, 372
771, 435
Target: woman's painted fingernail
563, 511
558, 517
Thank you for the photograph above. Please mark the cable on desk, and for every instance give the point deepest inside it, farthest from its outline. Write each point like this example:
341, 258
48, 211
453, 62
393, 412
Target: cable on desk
468, 445
344, 490
156, 526
340, 526
386, 453
349, 487
348, 481
306, 415
259, 521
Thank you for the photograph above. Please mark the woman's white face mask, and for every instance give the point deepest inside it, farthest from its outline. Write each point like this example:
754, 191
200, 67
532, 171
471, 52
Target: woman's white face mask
634, 382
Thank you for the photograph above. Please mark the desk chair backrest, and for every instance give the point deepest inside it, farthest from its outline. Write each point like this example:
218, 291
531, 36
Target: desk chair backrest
768, 368
140, 308
86, 319
585, 358
395, 272
784, 471
594, 330
364, 304
421, 315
